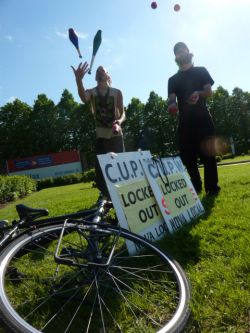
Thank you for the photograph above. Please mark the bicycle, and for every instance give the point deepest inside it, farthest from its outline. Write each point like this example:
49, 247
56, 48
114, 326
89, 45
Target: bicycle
73, 273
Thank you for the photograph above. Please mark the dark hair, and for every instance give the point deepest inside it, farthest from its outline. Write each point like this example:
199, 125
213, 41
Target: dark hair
180, 45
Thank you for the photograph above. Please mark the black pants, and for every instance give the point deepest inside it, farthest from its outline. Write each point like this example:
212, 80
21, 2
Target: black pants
103, 146
196, 139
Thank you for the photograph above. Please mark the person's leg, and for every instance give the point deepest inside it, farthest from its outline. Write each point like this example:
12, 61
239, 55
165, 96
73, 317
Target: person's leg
100, 181
115, 145
188, 154
207, 155
103, 146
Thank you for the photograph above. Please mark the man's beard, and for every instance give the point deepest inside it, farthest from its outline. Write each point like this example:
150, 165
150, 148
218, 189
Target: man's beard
184, 59
101, 77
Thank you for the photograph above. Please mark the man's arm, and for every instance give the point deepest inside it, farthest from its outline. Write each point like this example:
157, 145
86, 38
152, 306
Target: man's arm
172, 105
205, 93
171, 99
120, 107
171, 102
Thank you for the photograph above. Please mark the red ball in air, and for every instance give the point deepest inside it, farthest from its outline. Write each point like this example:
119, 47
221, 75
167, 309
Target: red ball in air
154, 5
177, 7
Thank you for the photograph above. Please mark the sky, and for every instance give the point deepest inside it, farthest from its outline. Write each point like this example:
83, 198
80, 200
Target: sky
137, 44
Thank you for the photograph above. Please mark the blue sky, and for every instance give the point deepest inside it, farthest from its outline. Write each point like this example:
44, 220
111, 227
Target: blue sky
137, 46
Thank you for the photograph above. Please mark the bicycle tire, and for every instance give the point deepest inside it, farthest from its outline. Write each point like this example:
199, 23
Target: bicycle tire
147, 292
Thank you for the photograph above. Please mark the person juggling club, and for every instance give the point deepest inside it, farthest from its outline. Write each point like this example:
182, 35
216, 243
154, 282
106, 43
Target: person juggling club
96, 44
74, 40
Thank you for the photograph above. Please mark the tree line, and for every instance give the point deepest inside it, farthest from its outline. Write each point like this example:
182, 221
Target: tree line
47, 127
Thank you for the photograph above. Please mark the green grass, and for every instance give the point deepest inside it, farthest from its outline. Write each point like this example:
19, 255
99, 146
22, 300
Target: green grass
58, 200
236, 159
214, 250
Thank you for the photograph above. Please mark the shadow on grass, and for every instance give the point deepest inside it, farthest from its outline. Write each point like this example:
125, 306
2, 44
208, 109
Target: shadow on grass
183, 245
208, 204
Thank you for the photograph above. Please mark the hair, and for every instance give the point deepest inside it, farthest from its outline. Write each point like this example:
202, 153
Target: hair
180, 45
109, 81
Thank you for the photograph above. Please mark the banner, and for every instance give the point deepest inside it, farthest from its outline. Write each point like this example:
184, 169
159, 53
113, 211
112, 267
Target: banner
44, 166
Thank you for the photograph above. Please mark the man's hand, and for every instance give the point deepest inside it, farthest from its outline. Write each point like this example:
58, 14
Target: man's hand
193, 99
172, 108
81, 70
116, 127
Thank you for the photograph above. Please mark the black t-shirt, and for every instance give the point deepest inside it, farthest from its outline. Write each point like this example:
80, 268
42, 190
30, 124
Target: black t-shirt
183, 84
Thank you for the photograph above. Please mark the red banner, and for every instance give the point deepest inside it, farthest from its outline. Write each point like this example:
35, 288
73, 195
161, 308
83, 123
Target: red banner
42, 161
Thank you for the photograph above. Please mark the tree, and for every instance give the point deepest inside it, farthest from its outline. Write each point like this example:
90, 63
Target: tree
43, 127
241, 104
133, 125
14, 130
84, 134
65, 110
221, 112
159, 126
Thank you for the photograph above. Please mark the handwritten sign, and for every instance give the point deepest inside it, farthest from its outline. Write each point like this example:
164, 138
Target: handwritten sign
150, 198
132, 196
174, 192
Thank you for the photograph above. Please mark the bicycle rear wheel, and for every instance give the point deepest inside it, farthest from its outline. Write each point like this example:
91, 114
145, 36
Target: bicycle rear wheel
93, 286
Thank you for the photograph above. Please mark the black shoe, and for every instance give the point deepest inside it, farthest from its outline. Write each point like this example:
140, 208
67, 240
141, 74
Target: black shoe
214, 191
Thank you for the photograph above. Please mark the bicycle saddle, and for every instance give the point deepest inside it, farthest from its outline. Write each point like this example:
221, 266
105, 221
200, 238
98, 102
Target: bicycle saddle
28, 212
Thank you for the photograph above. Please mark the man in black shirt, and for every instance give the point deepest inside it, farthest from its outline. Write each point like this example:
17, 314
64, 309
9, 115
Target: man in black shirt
191, 86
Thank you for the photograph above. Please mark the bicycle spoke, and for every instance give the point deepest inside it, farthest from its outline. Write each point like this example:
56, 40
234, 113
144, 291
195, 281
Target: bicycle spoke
131, 303
91, 314
108, 310
77, 310
48, 298
100, 306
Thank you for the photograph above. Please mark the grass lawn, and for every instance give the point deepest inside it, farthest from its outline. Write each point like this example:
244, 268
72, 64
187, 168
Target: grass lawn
236, 159
58, 200
214, 250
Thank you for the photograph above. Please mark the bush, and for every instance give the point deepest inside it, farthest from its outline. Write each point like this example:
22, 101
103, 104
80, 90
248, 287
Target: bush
218, 158
88, 176
45, 183
227, 156
14, 187
75, 178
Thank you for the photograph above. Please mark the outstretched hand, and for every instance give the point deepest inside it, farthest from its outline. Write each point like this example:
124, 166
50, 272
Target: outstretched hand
81, 70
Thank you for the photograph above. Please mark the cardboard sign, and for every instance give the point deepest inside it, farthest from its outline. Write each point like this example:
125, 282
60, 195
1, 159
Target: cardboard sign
132, 196
150, 198
174, 192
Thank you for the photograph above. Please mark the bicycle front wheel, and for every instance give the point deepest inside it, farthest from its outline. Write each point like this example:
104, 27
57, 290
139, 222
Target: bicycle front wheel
93, 285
